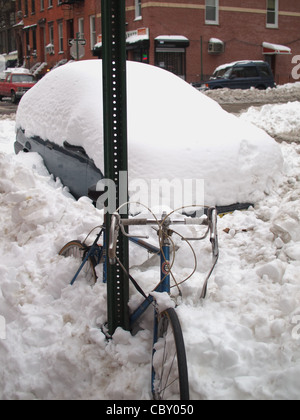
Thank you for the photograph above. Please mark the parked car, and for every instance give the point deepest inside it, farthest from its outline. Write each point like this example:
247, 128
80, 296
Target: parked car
242, 75
15, 84
173, 138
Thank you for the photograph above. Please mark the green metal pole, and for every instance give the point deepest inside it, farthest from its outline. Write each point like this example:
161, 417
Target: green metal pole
115, 149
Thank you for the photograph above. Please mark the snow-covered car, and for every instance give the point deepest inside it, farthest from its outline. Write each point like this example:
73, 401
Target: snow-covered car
175, 133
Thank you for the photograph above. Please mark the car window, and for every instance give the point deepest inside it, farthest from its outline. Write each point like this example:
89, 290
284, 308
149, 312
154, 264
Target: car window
242, 72
237, 72
250, 71
227, 73
22, 78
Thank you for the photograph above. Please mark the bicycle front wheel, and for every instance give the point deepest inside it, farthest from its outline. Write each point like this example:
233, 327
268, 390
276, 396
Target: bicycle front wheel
78, 251
169, 365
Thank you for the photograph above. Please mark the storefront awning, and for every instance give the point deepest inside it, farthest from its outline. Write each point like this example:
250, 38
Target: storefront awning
172, 41
269, 48
138, 38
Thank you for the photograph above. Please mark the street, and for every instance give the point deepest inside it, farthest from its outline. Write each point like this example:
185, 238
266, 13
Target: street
7, 107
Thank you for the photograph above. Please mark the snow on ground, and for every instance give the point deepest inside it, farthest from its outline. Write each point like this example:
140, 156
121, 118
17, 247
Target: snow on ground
242, 342
281, 121
289, 92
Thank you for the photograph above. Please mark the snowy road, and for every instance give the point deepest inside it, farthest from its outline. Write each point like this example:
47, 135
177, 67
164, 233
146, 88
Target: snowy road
242, 342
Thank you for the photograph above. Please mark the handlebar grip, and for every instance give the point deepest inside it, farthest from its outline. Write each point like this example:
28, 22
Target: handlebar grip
135, 222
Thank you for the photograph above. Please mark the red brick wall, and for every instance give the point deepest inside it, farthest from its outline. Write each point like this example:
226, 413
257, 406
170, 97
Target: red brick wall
242, 29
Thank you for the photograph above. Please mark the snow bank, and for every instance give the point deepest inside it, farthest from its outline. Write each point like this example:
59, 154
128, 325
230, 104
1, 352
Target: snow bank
281, 120
282, 93
170, 126
242, 342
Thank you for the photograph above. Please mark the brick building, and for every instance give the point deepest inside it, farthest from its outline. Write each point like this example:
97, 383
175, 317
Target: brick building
188, 37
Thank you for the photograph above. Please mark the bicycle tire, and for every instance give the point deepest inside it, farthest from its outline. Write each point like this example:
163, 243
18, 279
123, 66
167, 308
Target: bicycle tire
78, 251
169, 364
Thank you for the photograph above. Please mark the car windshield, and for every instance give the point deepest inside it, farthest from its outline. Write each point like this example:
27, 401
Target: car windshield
222, 73
22, 78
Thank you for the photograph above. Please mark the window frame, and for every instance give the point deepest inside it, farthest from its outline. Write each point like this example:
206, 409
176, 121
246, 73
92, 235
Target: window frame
138, 9
93, 33
274, 24
216, 6
60, 31
81, 26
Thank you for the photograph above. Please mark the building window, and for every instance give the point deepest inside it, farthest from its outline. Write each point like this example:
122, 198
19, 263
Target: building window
27, 43
34, 39
50, 4
81, 27
272, 13
51, 34
42, 4
60, 37
138, 9
33, 7
212, 12
26, 8
93, 31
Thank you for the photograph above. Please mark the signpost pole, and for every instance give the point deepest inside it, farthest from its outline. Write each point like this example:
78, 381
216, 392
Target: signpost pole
115, 149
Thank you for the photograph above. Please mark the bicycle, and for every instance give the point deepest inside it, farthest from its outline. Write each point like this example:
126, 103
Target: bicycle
169, 372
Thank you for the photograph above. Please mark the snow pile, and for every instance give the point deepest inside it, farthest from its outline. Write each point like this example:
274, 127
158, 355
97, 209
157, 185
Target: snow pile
281, 120
282, 93
169, 124
242, 342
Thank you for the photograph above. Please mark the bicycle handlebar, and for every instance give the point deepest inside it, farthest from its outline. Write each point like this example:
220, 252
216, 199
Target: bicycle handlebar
118, 223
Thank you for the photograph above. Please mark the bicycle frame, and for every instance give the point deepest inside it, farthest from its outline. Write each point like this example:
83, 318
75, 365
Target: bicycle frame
163, 252
168, 343
91, 253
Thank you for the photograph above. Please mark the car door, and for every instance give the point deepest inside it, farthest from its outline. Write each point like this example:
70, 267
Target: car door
69, 163
244, 77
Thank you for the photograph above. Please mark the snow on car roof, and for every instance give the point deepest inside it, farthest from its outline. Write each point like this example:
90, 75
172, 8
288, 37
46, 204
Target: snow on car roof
174, 131
224, 66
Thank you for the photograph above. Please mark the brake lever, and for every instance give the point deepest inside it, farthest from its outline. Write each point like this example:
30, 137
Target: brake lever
113, 237
196, 222
212, 223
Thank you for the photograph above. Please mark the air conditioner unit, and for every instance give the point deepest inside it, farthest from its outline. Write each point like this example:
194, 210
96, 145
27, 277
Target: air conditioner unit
50, 49
216, 47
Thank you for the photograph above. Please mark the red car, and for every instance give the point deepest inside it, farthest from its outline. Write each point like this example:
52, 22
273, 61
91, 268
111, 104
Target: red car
15, 85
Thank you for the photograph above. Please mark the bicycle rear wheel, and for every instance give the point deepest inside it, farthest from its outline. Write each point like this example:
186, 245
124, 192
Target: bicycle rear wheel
78, 251
169, 365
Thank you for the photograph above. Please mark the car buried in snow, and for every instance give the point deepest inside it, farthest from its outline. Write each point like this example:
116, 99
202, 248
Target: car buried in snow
171, 129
